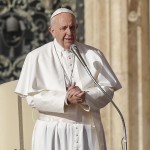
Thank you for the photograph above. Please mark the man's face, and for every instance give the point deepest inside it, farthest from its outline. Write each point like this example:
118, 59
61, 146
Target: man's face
64, 29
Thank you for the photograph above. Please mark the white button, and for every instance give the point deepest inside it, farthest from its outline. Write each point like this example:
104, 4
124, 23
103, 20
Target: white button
77, 145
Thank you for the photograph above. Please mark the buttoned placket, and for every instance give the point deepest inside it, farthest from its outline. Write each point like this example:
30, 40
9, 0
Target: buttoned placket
77, 137
68, 63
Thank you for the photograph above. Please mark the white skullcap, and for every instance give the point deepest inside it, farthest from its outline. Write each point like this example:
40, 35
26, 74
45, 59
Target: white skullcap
62, 10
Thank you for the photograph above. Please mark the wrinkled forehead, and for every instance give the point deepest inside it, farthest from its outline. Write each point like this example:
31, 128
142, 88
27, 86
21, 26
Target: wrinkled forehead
63, 19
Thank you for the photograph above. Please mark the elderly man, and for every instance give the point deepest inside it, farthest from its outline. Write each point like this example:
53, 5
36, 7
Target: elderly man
54, 82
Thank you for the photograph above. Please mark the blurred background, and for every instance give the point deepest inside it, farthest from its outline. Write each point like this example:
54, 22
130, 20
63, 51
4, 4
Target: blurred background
119, 28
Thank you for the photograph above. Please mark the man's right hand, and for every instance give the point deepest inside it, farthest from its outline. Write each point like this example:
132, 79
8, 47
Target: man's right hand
75, 94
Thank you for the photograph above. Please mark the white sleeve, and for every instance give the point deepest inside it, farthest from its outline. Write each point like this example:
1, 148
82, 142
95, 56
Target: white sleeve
96, 99
105, 77
48, 101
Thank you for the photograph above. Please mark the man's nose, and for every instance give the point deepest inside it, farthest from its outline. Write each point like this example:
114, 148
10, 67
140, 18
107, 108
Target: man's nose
69, 32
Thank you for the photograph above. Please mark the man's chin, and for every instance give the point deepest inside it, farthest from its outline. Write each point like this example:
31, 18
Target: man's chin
68, 44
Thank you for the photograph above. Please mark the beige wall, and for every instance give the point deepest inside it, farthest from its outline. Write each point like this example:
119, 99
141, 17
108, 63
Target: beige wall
121, 30
16, 120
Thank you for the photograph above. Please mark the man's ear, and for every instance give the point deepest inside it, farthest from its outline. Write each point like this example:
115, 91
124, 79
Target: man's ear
52, 31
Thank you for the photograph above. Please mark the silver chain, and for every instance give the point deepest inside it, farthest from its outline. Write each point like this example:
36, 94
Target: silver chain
65, 73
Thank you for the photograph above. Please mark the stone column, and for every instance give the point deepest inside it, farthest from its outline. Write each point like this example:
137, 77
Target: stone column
121, 30
145, 51
106, 29
118, 61
134, 72
139, 79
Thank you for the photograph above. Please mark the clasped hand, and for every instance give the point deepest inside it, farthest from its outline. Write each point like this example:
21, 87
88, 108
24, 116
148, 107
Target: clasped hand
75, 94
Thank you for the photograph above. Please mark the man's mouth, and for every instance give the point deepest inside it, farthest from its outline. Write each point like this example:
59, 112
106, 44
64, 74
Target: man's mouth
69, 39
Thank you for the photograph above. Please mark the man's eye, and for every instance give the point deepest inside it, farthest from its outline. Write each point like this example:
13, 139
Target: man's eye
72, 28
63, 28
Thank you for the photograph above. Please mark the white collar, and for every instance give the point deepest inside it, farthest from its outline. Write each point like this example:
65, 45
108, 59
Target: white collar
60, 50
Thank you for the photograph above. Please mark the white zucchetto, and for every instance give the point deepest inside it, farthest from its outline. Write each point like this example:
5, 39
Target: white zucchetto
62, 10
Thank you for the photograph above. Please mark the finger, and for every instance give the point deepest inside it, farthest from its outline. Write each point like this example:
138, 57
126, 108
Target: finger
71, 86
68, 85
74, 91
74, 99
74, 83
80, 94
80, 101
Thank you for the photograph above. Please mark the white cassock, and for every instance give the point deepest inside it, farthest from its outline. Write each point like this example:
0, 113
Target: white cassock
43, 82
